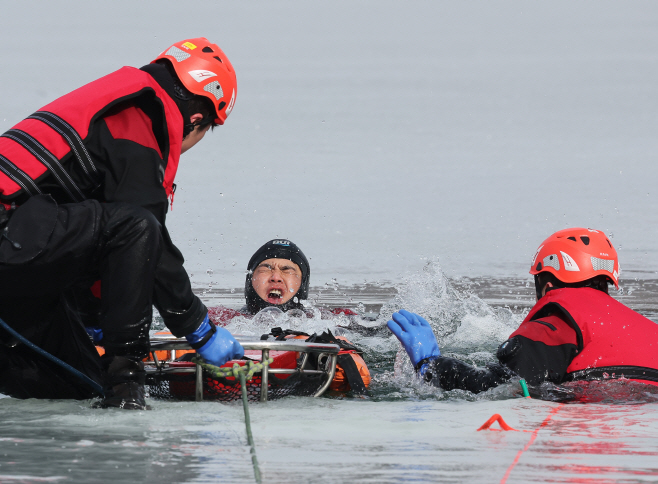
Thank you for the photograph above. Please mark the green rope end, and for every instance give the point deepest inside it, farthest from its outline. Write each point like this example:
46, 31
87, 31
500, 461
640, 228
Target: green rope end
524, 387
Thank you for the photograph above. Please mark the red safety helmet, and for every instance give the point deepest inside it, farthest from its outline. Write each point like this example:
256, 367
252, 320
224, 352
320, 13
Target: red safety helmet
575, 255
204, 69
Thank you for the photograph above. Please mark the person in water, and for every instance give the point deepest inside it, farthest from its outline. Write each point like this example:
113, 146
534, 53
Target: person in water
84, 186
278, 276
576, 331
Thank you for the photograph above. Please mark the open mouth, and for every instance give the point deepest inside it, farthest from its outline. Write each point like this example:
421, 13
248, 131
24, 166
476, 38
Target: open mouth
274, 294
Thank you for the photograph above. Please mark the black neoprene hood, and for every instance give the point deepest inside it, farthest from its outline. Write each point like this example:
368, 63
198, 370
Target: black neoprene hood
277, 249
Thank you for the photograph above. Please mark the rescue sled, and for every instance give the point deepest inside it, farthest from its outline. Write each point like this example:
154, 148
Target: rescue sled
298, 368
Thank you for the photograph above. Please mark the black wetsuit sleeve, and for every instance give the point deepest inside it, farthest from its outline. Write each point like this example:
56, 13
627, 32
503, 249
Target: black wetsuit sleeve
181, 310
130, 173
453, 374
540, 350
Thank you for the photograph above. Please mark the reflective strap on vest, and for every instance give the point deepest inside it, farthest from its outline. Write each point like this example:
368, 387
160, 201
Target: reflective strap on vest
19, 177
72, 138
48, 160
616, 371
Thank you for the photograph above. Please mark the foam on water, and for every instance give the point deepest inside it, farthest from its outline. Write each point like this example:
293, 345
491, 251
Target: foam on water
468, 328
460, 319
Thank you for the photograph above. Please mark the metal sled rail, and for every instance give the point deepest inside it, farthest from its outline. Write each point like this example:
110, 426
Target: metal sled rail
171, 343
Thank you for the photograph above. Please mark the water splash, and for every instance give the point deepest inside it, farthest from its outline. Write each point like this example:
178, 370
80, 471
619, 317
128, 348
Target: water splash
460, 319
466, 328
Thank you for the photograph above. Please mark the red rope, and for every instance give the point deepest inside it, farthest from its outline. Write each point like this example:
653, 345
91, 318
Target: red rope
532, 439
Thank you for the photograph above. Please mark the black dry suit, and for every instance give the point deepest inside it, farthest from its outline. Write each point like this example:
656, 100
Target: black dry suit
277, 249
571, 334
75, 225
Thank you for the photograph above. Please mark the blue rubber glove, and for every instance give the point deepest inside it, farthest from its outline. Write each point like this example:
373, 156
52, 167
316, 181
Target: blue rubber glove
215, 345
96, 334
416, 336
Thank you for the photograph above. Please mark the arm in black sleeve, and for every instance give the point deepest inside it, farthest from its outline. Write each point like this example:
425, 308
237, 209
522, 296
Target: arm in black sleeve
130, 174
451, 374
181, 310
540, 350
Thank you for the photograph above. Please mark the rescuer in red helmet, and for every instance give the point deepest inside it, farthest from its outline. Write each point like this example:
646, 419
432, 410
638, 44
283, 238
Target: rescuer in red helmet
85, 184
576, 331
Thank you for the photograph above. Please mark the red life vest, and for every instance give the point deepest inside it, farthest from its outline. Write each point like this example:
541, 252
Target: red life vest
613, 340
38, 145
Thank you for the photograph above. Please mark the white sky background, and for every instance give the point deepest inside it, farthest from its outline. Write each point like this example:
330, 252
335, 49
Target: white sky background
376, 134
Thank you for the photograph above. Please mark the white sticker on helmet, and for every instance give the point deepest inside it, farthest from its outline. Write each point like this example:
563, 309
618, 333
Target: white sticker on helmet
201, 75
177, 54
569, 263
603, 264
229, 108
552, 261
534, 258
215, 89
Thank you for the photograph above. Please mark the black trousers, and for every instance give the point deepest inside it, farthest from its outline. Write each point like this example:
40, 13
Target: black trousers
50, 256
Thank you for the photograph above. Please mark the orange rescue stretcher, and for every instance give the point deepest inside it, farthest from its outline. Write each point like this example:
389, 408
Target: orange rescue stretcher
298, 368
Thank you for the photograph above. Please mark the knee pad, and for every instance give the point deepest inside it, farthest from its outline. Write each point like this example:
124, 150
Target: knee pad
124, 222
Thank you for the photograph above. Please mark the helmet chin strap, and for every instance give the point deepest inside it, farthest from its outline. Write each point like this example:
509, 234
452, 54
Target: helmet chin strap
187, 129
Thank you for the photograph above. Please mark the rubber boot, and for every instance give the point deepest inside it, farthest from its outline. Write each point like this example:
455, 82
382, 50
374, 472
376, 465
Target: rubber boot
125, 385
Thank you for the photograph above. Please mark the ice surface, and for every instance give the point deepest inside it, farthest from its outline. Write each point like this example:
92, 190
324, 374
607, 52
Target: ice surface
375, 134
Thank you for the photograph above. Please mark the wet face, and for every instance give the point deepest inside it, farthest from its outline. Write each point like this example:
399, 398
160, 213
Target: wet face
276, 280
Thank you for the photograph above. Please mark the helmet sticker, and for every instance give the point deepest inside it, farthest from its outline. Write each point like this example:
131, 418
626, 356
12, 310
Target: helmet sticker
281, 242
189, 45
201, 75
569, 263
534, 257
552, 261
177, 54
229, 108
215, 89
603, 264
